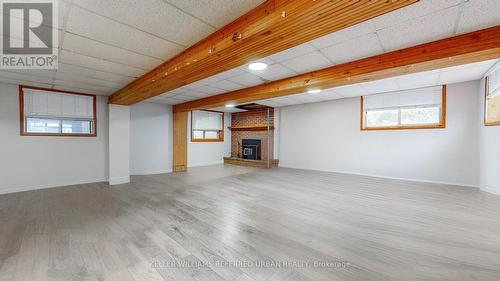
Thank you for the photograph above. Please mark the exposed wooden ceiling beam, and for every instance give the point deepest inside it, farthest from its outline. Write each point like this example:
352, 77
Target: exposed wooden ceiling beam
467, 48
274, 26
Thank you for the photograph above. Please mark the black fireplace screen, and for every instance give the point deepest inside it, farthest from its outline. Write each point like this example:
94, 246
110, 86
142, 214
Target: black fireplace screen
251, 149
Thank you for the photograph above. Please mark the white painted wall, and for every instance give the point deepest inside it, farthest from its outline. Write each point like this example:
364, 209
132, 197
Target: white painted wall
209, 153
150, 138
119, 144
326, 136
489, 151
28, 163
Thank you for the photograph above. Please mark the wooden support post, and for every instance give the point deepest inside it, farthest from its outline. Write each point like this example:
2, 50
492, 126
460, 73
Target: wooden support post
180, 142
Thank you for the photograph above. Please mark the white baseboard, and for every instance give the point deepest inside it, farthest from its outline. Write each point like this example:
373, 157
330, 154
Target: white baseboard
491, 189
145, 173
44, 186
119, 180
382, 176
201, 164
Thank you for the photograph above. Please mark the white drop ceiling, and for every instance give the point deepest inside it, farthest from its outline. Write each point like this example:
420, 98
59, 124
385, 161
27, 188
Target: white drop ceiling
106, 44
425, 21
462, 73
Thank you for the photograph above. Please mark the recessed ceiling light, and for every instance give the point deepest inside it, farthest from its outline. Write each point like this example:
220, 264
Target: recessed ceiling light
230, 105
257, 66
314, 91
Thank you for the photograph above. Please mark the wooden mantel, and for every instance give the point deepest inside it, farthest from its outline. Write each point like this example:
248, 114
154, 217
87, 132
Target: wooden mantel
250, 128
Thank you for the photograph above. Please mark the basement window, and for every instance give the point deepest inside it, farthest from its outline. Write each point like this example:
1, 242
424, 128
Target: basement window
492, 99
207, 126
47, 112
423, 108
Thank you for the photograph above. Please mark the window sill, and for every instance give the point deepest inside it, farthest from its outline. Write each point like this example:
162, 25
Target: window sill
56, 135
439, 126
207, 140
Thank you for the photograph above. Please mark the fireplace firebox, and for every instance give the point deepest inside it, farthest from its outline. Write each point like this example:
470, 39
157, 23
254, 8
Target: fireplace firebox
251, 149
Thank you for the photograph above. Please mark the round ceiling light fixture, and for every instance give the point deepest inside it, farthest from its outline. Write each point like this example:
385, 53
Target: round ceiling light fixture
257, 66
314, 91
230, 105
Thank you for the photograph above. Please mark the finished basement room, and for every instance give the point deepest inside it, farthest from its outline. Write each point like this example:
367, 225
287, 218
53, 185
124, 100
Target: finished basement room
249, 140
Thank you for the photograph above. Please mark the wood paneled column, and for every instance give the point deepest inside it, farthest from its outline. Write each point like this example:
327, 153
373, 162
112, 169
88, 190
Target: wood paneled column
180, 141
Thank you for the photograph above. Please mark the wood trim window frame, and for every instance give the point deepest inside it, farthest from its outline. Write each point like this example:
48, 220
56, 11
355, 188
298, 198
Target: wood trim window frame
441, 125
221, 132
22, 126
486, 89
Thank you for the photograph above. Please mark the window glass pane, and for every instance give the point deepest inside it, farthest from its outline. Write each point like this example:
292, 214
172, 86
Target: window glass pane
211, 134
76, 127
382, 118
36, 125
420, 116
197, 134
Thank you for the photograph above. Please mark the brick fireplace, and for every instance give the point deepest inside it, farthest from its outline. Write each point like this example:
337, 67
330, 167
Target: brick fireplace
252, 125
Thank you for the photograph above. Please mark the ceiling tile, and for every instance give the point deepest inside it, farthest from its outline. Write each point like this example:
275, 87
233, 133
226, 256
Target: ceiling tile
210, 80
90, 25
23, 82
328, 94
35, 72
228, 85
84, 87
209, 90
308, 62
345, 34
153, 16
380, 86
275, 72
193, 86
178, 91
91, 48
293, 52
86, 80
195, 94
475, 72
247, 79
216, 12
226, 74
98, 64
417, 80
416, 10
184, 97
350, 91
303, 98
479, 14
24, 77
354, 49
419, 30
91, 73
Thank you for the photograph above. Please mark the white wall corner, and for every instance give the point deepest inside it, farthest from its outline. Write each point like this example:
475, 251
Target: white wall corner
490, 189
119, 180
119, 144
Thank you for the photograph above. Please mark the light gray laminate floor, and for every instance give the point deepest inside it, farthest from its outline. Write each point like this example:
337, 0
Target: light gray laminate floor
162, 227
